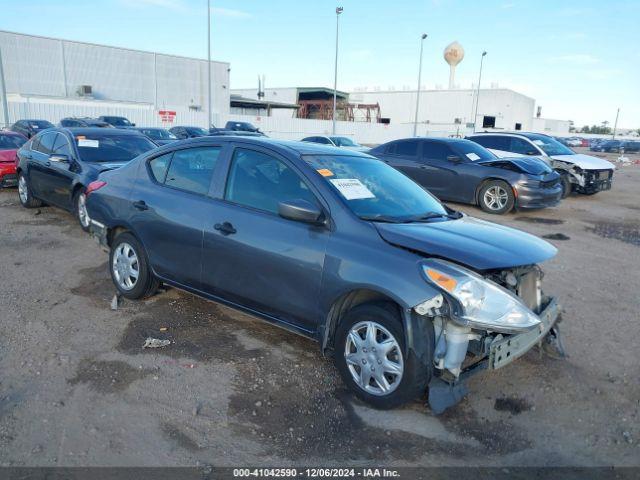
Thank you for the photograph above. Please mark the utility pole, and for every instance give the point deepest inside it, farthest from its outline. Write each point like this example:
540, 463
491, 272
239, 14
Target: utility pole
415, 120
475, 113
615, 125
335, 74
3, 93
209, 63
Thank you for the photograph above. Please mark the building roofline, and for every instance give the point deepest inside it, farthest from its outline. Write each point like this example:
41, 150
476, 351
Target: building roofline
470, 90
112, 46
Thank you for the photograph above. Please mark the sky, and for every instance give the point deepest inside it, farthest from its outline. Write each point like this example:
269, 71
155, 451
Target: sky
579, 60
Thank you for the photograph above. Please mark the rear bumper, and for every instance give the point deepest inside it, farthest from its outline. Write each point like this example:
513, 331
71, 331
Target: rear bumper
505, 350
538, 197
8, 177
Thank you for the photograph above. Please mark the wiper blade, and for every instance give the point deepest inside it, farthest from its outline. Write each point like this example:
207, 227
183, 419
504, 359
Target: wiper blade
432, 215
382, 218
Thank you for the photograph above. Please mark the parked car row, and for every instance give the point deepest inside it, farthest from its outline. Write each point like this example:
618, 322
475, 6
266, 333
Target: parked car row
334, 244
616, 146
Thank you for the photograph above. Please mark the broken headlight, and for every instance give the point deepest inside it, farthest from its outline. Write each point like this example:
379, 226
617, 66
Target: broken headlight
477, 302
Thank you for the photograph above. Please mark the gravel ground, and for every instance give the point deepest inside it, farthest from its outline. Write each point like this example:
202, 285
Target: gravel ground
76, 387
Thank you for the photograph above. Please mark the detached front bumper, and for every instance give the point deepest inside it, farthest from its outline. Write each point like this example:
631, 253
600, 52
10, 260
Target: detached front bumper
505, 350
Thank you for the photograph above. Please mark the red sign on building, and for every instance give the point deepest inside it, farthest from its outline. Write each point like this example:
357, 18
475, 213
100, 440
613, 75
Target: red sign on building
167, 116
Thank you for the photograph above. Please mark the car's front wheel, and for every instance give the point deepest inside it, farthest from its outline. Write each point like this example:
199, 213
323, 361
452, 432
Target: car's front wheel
496, 196
129, 268
24, 192
566, 185
80, 204
371, 356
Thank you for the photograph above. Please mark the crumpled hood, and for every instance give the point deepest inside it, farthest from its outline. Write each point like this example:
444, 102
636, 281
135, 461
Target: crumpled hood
469, 241
8, 155
103, 167
586, 162
530, 165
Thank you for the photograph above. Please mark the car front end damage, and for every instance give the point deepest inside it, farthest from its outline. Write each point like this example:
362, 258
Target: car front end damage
484, 322
585, 180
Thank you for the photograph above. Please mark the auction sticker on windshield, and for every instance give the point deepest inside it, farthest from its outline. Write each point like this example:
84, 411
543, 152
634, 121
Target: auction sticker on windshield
352, 188
473, 156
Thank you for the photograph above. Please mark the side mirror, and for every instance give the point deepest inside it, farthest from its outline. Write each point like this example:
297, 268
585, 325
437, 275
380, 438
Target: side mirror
300, 211
59, 158
133, 124
454, 159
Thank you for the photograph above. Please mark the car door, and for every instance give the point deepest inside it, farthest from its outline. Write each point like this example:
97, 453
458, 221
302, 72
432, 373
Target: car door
403, 155
251, 255
439, 168
170, 205
39, 164
60, 170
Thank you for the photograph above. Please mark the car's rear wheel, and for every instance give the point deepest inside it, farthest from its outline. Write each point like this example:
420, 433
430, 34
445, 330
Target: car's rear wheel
371, 356
496, 197
24, 193
80, 203
129, 268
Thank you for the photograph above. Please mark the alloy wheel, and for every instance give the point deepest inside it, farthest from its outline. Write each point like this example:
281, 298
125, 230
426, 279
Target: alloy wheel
496, 197
83, 215
374, 358
125, 266
23, 189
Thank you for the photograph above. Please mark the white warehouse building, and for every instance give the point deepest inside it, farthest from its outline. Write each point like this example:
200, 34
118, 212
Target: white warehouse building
51, 78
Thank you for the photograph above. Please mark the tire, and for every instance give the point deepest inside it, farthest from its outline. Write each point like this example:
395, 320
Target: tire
567, 187
126, 257
24, 193
496, 197
80, 209
414, 376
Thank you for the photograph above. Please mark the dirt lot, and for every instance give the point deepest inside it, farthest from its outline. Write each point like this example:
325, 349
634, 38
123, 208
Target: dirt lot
76, 387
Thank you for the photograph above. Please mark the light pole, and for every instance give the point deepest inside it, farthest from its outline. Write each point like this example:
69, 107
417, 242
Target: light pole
475, 112
335, 75
209, 63
415, 120
615, 125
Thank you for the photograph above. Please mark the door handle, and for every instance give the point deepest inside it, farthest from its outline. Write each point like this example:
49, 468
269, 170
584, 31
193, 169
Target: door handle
424, 167
225, 228
140, 205
47, 163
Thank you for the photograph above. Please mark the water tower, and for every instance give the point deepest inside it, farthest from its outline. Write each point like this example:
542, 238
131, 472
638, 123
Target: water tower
453, 55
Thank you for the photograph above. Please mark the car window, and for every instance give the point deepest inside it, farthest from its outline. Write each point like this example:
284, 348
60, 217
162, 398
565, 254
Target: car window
261, 181
61, 146
46, 143
493, 141
436, 150
407, 148
191, 169
522, 147
159, 165
11, 142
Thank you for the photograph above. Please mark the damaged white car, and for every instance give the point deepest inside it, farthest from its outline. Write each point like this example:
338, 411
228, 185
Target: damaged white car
580, 173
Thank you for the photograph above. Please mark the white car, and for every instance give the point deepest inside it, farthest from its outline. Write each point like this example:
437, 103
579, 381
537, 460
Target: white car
579, 173
336, 141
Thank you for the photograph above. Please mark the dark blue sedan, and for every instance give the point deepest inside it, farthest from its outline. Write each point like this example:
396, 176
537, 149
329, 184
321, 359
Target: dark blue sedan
462, 171
57, 165
334, 245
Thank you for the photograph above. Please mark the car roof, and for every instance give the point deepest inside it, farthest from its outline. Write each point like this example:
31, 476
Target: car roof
100, 130
285, 146
511, 134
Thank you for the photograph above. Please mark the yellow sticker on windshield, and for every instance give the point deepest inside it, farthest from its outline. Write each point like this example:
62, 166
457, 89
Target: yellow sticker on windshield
325, 172
80, 137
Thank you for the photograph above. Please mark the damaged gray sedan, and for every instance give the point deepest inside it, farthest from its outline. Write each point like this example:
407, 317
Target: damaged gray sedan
406, 294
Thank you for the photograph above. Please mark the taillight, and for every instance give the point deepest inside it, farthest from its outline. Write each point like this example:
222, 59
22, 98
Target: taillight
93, 186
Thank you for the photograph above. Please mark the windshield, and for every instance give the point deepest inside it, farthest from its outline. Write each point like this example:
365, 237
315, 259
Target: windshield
197, 131
373, 190
39, 124
158, 134
119, 121
467, 149
11, 142
550, 146
112, 148
344, 142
